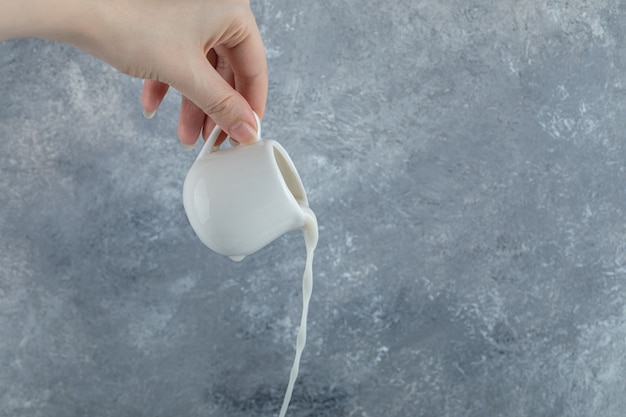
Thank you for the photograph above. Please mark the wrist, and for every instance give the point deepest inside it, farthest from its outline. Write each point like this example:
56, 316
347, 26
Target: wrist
69, 21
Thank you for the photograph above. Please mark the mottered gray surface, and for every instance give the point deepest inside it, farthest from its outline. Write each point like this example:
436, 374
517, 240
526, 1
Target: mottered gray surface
466, 164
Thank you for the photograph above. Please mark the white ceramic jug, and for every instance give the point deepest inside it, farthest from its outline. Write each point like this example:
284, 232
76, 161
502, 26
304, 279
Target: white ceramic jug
240, 199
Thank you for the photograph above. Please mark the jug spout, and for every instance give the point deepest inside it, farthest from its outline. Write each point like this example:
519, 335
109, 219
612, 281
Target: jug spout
237, 258
289, 173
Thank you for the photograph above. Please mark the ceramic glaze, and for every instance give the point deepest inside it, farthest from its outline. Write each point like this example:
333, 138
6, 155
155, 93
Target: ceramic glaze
240, 199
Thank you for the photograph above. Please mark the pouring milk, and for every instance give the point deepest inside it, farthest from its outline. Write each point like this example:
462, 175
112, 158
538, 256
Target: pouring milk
240, 199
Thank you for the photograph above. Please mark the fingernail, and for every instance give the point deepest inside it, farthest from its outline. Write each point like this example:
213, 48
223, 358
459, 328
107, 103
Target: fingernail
187, 146
242, 132
148, 115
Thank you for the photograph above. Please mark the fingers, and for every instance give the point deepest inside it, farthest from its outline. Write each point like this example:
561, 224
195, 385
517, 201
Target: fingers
249, 67
231, 109
190, 122
228, 94
151, 96
192, 119
223, 69
219, 101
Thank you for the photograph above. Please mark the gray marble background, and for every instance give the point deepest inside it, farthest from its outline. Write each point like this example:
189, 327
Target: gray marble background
465, 161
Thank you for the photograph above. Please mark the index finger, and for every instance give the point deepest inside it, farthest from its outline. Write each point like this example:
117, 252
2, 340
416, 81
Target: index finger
249, 65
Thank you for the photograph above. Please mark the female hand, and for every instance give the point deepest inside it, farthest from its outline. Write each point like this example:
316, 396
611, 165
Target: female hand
209, 50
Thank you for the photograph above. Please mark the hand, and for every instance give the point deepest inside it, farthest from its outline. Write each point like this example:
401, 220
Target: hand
237, 57
209, 50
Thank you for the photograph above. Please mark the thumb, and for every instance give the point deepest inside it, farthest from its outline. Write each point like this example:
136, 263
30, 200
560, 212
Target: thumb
220, 102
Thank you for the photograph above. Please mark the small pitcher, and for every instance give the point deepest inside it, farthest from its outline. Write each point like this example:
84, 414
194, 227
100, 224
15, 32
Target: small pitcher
240, 199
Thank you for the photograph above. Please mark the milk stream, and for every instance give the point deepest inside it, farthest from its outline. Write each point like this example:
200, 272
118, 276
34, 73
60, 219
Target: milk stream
310, 233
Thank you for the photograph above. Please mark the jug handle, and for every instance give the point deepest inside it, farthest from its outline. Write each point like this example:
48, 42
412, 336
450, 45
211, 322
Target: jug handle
209, 145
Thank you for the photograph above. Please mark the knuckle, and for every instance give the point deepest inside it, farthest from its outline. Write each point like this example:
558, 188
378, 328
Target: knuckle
222, 107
